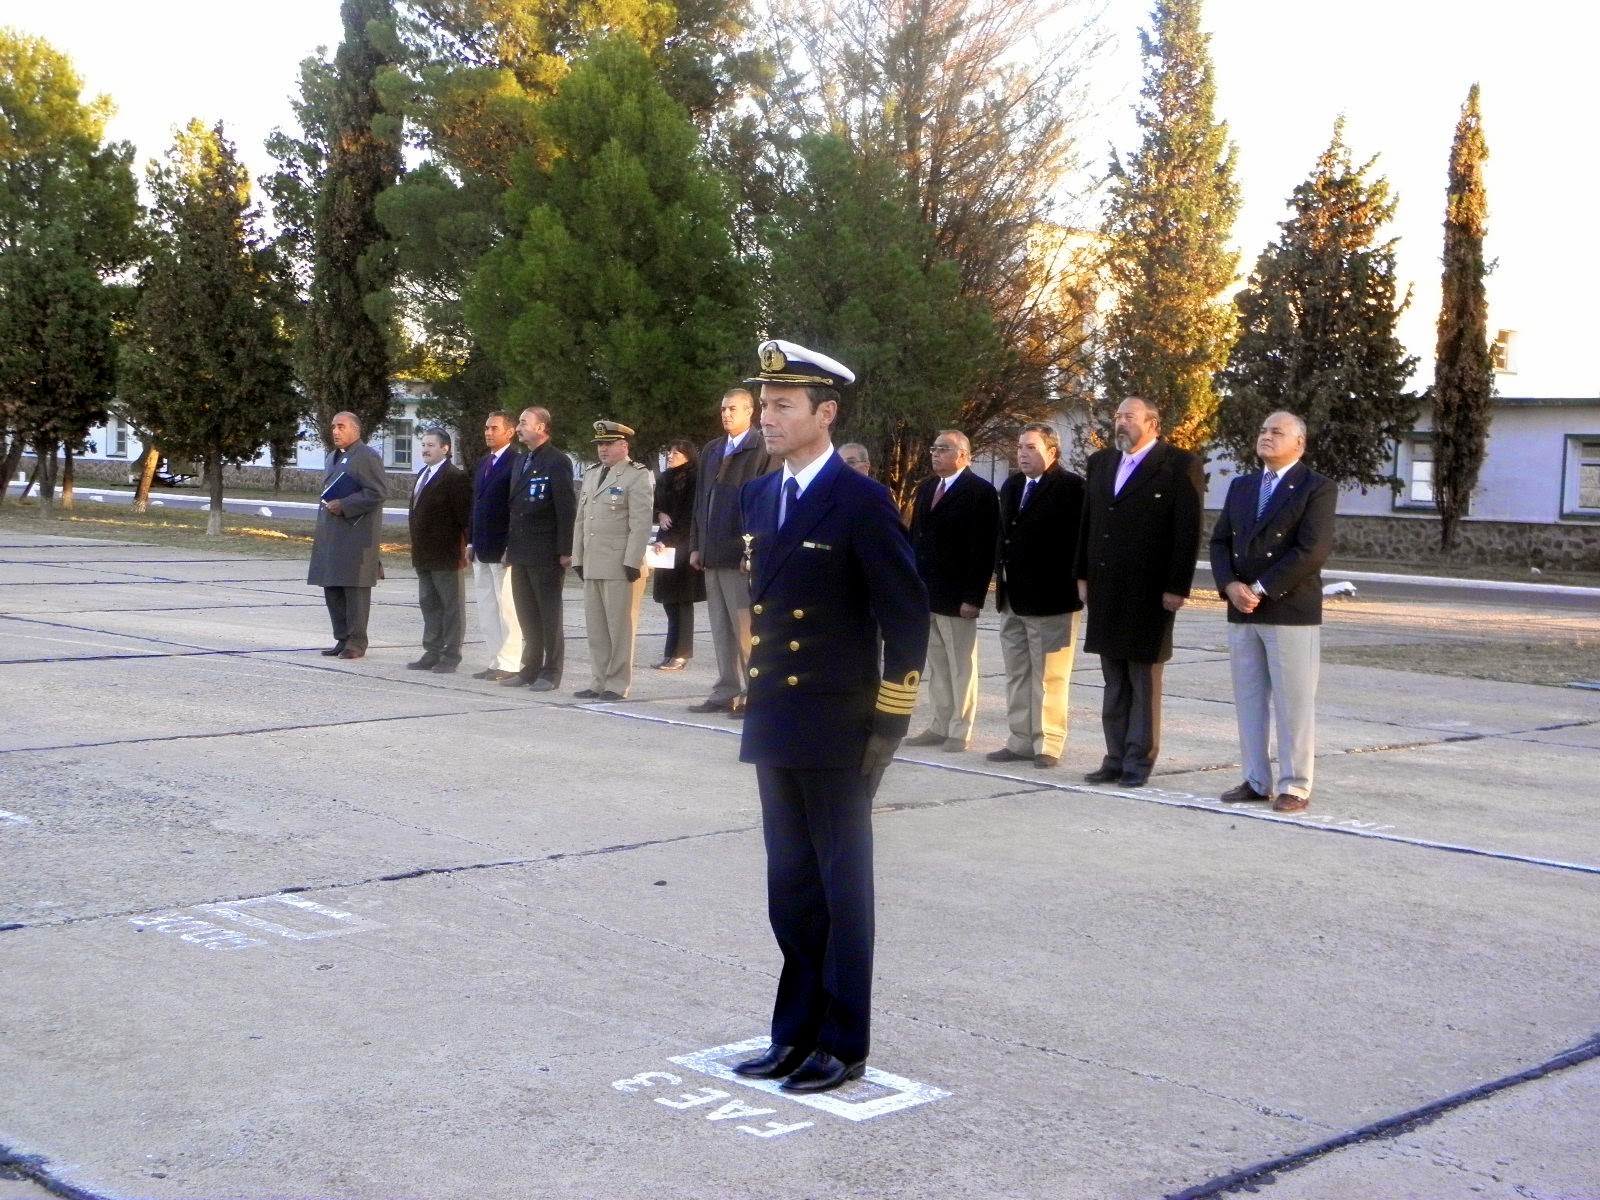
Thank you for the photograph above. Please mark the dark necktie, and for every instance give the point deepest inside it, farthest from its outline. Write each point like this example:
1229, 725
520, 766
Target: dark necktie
791, 497
601, 482
1268, 482
1027, 492
938, 495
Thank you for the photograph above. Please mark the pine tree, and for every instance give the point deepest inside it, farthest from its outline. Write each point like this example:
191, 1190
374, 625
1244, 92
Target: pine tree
1171, 212
617, 293
68, 205
1463, 373
205, 369
345, 347
1317, 329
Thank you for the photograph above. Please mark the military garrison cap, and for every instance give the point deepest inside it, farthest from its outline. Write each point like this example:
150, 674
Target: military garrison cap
611, 431
786, 362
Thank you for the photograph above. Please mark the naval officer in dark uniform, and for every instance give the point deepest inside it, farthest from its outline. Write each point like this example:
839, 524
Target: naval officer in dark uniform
831, 568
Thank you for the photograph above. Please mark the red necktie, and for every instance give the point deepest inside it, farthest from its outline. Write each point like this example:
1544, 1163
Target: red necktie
938, 495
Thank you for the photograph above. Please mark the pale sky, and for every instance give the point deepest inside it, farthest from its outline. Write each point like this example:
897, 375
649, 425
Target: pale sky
1398, 70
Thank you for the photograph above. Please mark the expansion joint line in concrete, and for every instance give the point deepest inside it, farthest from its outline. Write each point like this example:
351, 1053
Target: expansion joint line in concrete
337, 885
1388, 1127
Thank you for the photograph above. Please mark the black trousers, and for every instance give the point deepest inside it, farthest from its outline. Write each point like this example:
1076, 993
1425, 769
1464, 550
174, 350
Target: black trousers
536, 593
1130, 715
680, 629
442, 596
348, 609
818, 830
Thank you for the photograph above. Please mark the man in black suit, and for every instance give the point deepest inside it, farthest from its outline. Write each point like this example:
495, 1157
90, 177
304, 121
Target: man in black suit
491, 522
1136, 560
543, 503
441, 516
1041, 508
830, 569
1267, 550
726, 464
954, 516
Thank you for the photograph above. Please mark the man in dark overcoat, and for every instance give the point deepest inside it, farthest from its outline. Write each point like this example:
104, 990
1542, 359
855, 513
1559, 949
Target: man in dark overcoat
954, 518
1136, 561
543, 504
830, 569
440, 517
1273, 535
344, 548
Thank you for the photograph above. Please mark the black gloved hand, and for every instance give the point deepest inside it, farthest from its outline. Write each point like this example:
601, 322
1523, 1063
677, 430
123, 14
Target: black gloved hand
880, 752
632, 573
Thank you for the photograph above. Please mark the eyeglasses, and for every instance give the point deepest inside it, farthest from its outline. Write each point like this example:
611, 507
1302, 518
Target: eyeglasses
938, 449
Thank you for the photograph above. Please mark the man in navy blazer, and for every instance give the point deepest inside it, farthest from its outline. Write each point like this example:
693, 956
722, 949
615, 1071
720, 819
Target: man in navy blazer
830, 569
1267, 550
491, 524
954, 518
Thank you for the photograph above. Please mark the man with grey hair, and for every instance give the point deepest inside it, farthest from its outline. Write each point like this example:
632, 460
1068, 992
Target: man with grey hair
344, 548
856, 457
440, 520
1273, 535
954, 518
543, 506
716, 546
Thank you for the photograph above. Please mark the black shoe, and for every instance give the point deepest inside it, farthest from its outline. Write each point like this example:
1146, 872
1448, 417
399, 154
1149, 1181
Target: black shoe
672, 664
610, 697
710, 706
542, 685
486, 673
515, 679
1006, 754
333, 651
1243, 794
774, 1063
1133, 781
822, 1072
1045, 761
349, 653
426, 663
496, 675
586, 694
926, 738
1104, 775
444, 668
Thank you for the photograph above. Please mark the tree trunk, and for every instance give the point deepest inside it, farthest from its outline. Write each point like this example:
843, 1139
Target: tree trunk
147, 478
46, 474
68, 480
33, 478
214, 515
8, 469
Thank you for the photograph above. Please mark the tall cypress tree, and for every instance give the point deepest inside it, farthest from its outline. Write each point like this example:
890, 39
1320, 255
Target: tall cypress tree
1317, 323
344, 350
1166, 230
1463, 373
204, 369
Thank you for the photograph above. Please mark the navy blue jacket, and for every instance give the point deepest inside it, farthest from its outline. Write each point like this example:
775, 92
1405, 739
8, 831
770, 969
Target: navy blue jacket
716, 527
1283, 550
1039, 544
543, 505
491, 507
955, 541
821, 589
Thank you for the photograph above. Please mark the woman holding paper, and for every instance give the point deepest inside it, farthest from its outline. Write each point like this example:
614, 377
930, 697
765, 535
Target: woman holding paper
678, 587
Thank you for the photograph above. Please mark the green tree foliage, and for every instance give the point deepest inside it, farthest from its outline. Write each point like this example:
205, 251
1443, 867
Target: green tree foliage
206, 365
972, 104
616, 293
68, 207
857, 273
1317, 329
1463, 373
344, 350
1171, 212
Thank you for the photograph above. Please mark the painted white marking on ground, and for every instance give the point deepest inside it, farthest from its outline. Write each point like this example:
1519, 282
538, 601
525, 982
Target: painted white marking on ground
877, 1094
15, 818
202, 933
301, 910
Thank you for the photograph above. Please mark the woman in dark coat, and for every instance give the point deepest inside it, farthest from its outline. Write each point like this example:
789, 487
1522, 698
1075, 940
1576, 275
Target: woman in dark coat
680, 587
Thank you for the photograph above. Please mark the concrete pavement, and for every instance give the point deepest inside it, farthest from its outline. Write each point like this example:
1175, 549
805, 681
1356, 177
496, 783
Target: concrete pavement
275, 925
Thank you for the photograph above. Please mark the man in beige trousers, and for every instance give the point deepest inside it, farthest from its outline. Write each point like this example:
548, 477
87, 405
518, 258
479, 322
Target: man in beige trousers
608, 544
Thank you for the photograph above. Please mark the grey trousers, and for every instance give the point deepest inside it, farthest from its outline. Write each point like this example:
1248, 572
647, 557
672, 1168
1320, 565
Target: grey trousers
348, 608
442, 596
728, 603
536, 593
1130, 715
1275, 670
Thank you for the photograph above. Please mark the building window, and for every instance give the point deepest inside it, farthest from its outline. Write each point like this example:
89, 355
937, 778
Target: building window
1414, 467
399, 439
1581, 496
1502, 351
119, 439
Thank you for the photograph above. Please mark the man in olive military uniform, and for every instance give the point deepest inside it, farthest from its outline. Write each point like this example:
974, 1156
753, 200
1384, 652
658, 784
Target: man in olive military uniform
608, 544
831, 570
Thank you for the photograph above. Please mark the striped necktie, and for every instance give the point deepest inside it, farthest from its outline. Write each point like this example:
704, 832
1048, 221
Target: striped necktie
1268, 482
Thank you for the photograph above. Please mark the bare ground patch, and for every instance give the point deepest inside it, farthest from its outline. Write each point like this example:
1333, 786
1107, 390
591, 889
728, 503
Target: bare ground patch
1554, 663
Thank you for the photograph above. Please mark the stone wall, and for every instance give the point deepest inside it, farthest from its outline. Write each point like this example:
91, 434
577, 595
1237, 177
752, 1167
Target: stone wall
1571, 546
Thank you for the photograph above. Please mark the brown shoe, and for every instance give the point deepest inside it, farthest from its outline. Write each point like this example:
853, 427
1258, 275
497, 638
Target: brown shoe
1288, 802
1243, 794
926, 738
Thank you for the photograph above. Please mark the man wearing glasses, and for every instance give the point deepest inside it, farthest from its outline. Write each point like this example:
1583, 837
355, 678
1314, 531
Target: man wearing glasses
954, 518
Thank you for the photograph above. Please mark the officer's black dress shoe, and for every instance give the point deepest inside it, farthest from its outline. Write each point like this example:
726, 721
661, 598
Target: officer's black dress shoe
773, 1063
426, 663
586, 694
1103, 775
822, 1072
333, 652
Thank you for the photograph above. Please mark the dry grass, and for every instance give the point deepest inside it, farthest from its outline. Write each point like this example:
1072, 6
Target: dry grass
1555, 663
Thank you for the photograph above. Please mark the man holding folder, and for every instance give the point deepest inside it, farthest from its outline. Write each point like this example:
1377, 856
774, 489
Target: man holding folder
344, 550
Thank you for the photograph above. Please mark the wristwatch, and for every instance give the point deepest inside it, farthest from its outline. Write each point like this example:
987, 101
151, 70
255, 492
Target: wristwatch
1258, 589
